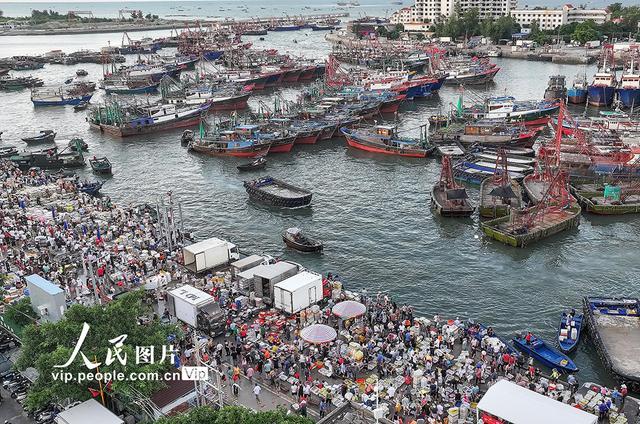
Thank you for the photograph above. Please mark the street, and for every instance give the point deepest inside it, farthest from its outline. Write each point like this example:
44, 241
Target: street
11, 411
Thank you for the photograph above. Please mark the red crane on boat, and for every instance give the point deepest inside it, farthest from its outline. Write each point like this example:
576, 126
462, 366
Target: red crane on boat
446, 174
556, 198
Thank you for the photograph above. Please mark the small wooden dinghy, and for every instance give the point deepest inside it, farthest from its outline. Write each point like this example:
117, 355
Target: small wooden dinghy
447, 197
294, 238
45, 136
258, 163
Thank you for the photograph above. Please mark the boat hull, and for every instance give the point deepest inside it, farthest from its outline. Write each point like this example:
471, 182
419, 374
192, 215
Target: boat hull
127, 131
546, 355
630, 97
308, 137
357, 143
62, 102
234, 103
577, 96
238, 153
601, 95
283, 145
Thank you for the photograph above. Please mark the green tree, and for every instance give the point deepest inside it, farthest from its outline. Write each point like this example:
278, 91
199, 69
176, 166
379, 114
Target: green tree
615, 9
538, 35
471, 22
586, 31
234, 414
21, 312
52, 344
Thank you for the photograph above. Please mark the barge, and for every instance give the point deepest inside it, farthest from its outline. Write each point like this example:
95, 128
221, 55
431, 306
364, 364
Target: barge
614, 326
607, 199
274, 192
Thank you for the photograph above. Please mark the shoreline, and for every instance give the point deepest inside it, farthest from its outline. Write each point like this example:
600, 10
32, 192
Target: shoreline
85, 30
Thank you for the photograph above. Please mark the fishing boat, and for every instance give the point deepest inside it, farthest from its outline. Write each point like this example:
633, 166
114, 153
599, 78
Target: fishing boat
48, 159
57, 97
499, 194
82, 73
286, 27
472, 76
439, 121
556, 90
476, 171
481, 331
449, 198
569, 331
295, 239
91, 189
246, 141
131, 86
223, 98
80, 106
629, 88
492, 155
274, 192
608, 199
44, 136
491, 133
100, 165
127, 120
603, 87
508, 109
539, 350
384, 139
320, 26
577, 94
258, 163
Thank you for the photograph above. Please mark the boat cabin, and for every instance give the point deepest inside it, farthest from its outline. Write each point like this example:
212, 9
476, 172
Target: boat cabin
501, 104
386, 130
604, 79
246, 129
630, 81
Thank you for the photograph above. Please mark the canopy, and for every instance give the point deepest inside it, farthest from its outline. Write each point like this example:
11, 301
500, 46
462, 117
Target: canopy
504, 191
456, 193
293, 231
520, 405
318, 334
348, 309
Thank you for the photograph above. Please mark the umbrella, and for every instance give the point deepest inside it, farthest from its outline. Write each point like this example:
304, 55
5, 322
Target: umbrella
318, 334
348, 309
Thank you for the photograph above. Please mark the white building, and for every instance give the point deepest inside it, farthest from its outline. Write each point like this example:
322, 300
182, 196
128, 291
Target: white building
430, 11
489, 8
403, 16
550, 19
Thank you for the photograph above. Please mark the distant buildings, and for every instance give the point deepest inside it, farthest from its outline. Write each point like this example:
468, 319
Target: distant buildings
430, 11
550, 19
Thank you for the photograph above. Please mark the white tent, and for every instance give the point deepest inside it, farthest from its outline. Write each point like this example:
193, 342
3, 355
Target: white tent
520, 405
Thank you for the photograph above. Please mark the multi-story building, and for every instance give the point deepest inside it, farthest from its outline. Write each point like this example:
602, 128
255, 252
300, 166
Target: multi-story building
403, 16
430, 11
488, 8
550, 19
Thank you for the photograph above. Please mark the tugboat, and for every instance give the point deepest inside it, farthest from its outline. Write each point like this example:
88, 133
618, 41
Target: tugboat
603, 87
629, 88
447, 197
556, 90
577, 94
294, 239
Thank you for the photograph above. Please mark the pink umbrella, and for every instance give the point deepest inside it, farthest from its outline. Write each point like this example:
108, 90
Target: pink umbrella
318, 334
348, 309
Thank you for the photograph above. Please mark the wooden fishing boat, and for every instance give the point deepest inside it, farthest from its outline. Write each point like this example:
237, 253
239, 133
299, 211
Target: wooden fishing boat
45, 136
48, 159
274, 192
91, 189
294, 239
539, 350
130, 87
258, 163
489, 133
447, 197
227, 143
384, 139
614, 199
78, 144
569, 331
100, 165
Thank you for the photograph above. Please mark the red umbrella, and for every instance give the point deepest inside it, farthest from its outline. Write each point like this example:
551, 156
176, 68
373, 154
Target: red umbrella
349, 309
318, 334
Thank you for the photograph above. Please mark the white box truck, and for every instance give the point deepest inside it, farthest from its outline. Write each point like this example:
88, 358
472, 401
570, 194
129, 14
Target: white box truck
196, 308
250, 262
208, 254
298, 292
265, 277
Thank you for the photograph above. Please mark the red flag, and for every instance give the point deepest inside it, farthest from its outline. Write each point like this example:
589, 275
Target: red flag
94, 393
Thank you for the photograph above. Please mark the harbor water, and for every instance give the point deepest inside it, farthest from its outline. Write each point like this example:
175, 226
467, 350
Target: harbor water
372, 212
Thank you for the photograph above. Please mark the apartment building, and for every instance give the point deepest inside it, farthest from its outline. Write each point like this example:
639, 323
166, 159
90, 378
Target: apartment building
550, 19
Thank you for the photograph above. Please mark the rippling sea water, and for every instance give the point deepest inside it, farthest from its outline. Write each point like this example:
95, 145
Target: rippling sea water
372, 212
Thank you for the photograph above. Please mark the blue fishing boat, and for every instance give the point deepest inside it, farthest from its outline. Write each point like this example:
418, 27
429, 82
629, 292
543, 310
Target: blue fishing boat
476, 172
603, 87
91, 189
577, 94
545, 354
629, 89
212, 54
488, 332
569, 331
58, 98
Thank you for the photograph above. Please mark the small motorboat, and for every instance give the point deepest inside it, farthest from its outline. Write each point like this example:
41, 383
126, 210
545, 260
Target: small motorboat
100, 165
68, 80
494, 339
294, 239
45, 136
80, 106
258, 163
82, 73
8, 151
569, 331
545, 354
91, 189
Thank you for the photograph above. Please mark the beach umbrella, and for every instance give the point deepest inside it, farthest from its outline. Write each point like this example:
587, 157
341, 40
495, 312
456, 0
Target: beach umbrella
318, 334
348, 309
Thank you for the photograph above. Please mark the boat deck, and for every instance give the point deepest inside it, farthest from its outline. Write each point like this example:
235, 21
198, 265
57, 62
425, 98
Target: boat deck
280, 191
620, 337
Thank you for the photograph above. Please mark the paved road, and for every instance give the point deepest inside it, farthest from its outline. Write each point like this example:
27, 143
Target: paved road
11, 411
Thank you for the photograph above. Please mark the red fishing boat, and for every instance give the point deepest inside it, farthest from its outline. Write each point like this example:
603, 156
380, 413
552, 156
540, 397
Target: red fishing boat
384, 139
